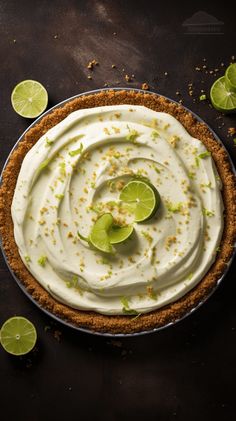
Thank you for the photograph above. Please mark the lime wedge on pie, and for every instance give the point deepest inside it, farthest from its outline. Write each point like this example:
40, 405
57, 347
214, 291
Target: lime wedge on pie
222, 98
29, 98
99, 234
104, 233
143, 197
18, 336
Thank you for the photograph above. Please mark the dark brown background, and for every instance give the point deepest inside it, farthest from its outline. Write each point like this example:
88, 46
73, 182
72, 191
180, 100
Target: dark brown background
183, 373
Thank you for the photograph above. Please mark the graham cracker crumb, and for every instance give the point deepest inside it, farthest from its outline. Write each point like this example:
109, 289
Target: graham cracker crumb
91, 64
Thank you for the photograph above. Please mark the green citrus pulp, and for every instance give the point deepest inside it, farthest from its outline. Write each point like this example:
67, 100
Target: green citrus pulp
29, 98
221, 97
18, 336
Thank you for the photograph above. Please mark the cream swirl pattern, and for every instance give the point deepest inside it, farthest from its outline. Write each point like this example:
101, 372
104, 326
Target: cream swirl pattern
76, 171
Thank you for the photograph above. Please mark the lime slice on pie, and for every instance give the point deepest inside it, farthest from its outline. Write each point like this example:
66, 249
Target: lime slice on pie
18, 336
222, 98
104, 233
143, 197
118, 234
99, 234
29, 98
230, 76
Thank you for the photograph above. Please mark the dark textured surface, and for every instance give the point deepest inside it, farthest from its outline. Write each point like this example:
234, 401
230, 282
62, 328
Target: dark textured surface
186, 372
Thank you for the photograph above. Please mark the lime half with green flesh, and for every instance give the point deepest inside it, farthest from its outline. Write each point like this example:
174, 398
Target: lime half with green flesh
143, 198
230, 76
29, 98
221, 97
18, 336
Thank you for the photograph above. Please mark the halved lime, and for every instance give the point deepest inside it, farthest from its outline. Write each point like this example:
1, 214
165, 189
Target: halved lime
230, 77
29, 98
18, 335
117, 234
143, 196
221, 97
99, 234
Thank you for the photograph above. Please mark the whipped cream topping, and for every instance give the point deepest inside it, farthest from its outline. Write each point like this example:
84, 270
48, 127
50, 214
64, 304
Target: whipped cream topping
76, 171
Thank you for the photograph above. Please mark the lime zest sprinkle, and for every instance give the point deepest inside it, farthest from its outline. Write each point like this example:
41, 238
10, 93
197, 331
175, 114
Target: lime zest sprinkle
59, 196
77, 151
62, 166
42, 261
43, 164
48, 142
27, 259
155, 134
208, 185
202, 97
132, 136
147, 236
126, 308
192, 175
130, 311
151, 293
125, 302
204, 155
207, 212
74, 283
174, 139
197, 161
190, 276
174, 207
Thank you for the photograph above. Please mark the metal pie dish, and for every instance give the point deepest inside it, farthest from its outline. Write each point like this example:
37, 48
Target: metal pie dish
70, 324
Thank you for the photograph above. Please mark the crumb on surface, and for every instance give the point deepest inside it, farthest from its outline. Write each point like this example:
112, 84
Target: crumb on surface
232, 131
92, 64
128, 78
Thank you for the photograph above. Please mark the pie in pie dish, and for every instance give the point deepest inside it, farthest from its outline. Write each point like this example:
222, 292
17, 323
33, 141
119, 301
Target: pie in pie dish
71, 168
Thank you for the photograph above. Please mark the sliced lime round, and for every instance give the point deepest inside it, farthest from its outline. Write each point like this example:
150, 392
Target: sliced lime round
117, 234
230, 77
221, 97
18, 336
99, 234
29, 98
143, 196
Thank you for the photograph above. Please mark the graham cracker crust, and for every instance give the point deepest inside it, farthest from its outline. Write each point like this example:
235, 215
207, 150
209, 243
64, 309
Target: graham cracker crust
91, 320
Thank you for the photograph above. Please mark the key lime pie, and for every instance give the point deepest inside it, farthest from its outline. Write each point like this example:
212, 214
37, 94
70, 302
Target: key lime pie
118, 211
